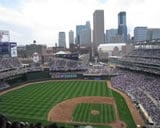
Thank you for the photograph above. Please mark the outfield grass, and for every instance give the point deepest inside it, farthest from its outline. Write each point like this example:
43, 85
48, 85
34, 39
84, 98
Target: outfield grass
123, 110
83, 113
32, 103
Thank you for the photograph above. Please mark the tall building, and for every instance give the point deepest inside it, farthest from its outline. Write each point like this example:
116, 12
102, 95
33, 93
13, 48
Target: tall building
83, 34
153, 34
140, 34
111, 33
122, 27
71, 37
62, 39
79, 28
98, 28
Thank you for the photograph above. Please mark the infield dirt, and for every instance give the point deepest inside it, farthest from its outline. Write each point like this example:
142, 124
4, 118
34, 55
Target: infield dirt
63, 111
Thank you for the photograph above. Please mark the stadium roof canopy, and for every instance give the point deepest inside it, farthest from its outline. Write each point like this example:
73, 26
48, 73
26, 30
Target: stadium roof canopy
110, 46
62, 52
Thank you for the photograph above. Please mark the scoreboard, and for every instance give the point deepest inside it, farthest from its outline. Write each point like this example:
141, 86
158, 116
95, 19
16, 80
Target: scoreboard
4, 48
8, 49
13, 49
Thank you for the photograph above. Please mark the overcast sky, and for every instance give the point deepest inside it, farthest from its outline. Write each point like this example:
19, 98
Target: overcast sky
41, 20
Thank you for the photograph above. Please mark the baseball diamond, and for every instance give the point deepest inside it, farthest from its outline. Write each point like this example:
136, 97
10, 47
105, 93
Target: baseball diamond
35, 101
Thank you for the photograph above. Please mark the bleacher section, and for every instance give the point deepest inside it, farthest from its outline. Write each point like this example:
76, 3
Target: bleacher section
9, 64
144, 88
59, 64
139, 77
146, 60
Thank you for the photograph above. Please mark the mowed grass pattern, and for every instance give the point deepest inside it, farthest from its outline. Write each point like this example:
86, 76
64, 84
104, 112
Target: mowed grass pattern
34, 102
83, 113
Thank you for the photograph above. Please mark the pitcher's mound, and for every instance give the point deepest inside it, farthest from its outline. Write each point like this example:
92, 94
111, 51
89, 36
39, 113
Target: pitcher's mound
95, 112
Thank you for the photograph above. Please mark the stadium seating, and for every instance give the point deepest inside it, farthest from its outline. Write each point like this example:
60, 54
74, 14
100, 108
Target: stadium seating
9, 63
59, 64
6, 123
11, 66
143, 87
147, 60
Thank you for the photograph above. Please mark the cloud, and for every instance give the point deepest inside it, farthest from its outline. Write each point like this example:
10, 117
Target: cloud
42, 20
48, 18
10, 4
20, 32
102, 1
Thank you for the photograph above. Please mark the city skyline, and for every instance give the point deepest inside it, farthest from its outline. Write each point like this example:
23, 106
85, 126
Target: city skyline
29, 20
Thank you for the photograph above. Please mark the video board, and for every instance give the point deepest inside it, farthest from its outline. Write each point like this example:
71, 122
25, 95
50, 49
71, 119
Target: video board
8, 49
4, 48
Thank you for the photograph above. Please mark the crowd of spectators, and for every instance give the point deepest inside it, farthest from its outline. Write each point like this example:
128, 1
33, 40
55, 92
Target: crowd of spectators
152, 53
5, 123
11, 66
143, 87
142, 60
59, 64
147, 60
8, 63
98, 69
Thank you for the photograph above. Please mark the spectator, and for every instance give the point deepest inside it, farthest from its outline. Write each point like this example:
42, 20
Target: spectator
3, 121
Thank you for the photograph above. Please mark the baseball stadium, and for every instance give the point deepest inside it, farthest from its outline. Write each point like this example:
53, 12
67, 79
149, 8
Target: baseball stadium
72, 92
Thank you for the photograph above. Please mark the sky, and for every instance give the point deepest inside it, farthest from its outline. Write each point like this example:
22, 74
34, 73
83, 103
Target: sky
42, 20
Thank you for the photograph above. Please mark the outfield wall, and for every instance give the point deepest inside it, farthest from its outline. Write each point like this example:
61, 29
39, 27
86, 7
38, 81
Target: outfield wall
46, 75
28, 77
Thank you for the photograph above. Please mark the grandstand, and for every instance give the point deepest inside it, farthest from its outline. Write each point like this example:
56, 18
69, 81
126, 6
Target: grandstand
9, 66
139, 77
59, 64
142, 59
137, 74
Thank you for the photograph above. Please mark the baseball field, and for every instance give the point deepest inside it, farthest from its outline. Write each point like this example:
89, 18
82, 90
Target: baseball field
75, 101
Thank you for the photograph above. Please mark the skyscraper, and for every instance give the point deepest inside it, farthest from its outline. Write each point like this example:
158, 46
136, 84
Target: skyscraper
140, 34
71, 37
83, 34
153, 34
98, 28
62, 39
122, 27
79, 28
110, 34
